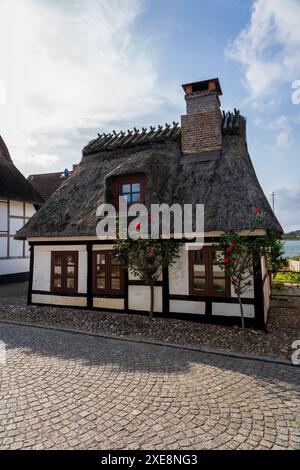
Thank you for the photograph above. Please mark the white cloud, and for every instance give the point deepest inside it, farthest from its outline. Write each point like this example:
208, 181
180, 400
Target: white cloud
43, 160
72, 65
283, 132
268, 47
287, 207
2, 92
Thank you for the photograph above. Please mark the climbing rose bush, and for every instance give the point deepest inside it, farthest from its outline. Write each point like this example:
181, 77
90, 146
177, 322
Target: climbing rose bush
239, 254
147, 258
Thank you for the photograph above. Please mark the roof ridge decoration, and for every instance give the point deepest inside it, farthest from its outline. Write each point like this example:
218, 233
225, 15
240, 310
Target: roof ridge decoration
232, 122
121, 139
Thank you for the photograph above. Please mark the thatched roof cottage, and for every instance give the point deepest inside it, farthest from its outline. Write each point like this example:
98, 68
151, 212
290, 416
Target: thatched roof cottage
203, 161
18, 202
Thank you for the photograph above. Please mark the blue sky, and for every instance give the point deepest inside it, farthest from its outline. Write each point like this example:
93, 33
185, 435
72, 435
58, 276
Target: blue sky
70, 69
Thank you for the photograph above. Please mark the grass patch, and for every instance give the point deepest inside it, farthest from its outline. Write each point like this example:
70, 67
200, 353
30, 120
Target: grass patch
289, 277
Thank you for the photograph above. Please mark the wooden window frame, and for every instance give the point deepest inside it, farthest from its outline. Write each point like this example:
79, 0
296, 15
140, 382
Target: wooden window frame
208, 263
64, 287
119, 181
108, 265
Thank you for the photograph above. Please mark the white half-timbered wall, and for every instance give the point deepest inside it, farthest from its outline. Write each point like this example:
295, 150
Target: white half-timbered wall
138, 295
14, 254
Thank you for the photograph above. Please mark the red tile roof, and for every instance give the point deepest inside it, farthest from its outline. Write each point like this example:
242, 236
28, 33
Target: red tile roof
46, 183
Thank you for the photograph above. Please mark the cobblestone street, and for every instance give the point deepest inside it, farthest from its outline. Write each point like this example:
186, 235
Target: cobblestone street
71, 391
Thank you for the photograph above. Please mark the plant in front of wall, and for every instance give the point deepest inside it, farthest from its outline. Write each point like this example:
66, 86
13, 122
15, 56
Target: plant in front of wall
146, 258
239, 254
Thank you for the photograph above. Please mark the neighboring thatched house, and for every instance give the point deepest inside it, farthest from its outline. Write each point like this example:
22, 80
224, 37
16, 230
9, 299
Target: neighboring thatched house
206, 161
18, 202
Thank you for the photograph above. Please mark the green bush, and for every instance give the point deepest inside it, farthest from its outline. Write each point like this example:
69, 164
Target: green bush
289, 277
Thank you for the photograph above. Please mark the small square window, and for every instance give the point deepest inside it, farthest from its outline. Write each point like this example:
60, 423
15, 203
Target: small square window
108, 277
206, 276
130, 188
64, 271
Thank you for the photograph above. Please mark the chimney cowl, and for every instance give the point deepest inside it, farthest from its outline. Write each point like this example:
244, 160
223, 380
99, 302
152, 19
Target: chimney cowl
203, 86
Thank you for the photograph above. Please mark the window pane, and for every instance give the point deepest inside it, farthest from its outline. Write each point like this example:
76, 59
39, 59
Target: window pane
57, 271
57, 276
136, 188
199, 284
70, 271
115, 271
100, 283
57, 260
218, 272
126, 188
70, 277
71, 260
219, 285
101, 270
199, 269
101, 258
199, 257
135, 197
57, 282
70, 283
115, 283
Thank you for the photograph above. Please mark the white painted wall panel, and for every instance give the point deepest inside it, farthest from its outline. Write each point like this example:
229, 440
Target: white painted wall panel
15, 247
3, 217
3, 247
59, 300
117, 304
232, 310
179, 274
41, 269
139, 298
15, 225
16, 208
187, 306
14, 266
29, 210
42, 266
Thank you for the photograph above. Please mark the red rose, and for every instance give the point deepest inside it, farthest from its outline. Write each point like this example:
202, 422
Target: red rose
152, 254
229, 249
258, 210
232, 242
138, 227
226, 260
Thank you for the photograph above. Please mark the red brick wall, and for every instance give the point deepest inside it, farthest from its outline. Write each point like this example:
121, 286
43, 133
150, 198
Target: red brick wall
201, 127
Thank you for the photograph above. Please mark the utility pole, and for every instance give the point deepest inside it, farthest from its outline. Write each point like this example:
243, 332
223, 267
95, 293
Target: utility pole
273, 201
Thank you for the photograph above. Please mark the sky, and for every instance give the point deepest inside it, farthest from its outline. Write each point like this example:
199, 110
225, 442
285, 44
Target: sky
72, 68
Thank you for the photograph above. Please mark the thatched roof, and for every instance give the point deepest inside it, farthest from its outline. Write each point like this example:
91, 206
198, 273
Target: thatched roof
13, 185
227, 185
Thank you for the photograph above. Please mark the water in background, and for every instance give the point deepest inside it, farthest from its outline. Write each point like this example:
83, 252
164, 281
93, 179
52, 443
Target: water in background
292, 248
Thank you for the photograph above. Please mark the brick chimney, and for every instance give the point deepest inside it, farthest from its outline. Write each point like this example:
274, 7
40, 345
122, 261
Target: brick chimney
201, 127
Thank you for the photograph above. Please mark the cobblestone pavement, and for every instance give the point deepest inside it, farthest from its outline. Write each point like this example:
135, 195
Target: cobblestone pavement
71, 391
